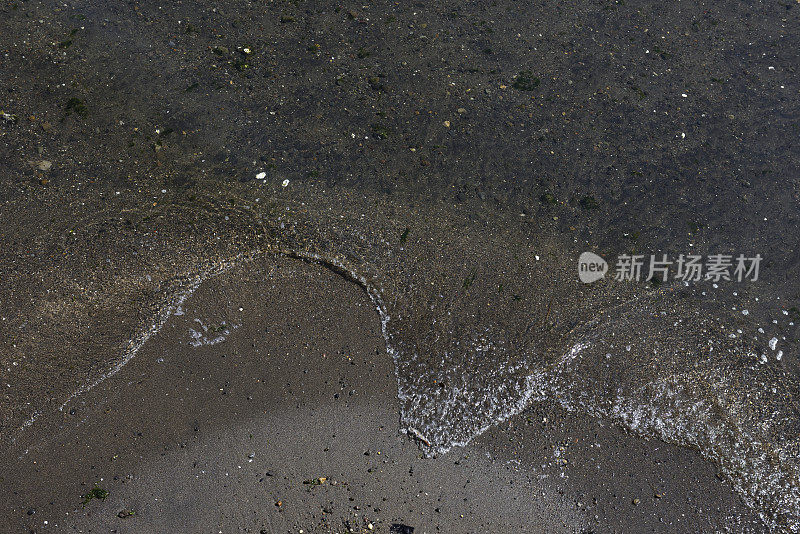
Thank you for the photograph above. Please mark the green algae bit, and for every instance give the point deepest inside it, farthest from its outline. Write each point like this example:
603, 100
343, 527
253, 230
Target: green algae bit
95, 493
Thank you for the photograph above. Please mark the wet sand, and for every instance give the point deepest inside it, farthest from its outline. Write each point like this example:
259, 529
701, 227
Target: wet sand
268, 403
455, 157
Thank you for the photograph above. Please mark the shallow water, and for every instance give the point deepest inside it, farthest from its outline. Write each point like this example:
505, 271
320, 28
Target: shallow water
464, 226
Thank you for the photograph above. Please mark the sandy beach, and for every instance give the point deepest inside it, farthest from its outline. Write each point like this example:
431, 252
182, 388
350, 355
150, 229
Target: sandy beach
282, 266
269, 404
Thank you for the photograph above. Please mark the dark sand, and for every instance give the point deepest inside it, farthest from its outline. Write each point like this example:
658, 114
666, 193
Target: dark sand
437, 150
225, 437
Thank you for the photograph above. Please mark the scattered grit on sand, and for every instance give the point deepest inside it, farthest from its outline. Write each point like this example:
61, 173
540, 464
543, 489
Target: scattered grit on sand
267, 403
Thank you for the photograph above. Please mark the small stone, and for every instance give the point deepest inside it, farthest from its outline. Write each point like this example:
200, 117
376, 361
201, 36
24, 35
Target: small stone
9, 117
44, 165
261, 176
636, 501
447, 124
285, 183
462, 111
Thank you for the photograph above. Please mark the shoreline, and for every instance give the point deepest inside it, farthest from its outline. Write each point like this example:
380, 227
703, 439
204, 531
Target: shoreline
175, 406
